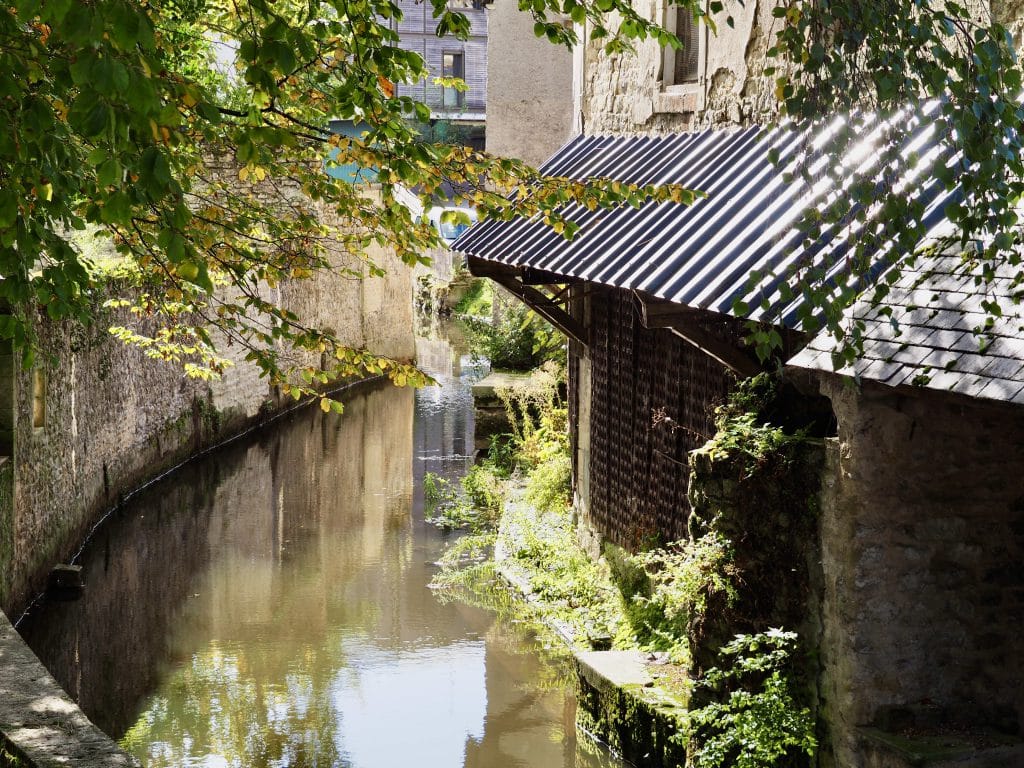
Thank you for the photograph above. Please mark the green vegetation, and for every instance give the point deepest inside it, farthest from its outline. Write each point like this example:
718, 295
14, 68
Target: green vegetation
755, 721
519, 341
947, 65
670, 587
568, 587
183, 131
9, 759
745, 432
673, 599
192, 136
477, 301
475, 509
536, 534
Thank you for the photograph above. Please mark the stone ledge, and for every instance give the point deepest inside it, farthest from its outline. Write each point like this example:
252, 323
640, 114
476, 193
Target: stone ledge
39, 722
619, 702
486, 388
614, 668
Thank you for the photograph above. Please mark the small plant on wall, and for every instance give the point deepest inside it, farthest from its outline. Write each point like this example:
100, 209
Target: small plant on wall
753, 720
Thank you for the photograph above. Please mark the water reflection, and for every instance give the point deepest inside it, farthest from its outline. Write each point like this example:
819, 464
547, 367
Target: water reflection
267, 606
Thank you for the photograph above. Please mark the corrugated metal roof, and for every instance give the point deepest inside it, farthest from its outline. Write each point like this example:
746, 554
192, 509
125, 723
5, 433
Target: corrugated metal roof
932, 330
704, 254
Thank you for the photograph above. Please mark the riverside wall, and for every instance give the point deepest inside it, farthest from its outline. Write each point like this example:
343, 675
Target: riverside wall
923, 592
95, 419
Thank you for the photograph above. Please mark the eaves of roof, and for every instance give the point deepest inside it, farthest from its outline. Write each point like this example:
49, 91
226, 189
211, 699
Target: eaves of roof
737, 245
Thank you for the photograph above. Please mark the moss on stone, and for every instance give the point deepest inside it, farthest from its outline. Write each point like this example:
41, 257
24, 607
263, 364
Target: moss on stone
643, 725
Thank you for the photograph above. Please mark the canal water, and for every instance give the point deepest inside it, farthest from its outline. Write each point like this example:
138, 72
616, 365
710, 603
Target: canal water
267, 605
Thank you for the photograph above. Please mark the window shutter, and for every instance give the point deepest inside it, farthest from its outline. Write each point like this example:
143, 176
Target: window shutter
687, 57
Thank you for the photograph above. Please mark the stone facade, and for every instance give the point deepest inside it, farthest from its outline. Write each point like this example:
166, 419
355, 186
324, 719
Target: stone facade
625, 94
112, 418
924, 593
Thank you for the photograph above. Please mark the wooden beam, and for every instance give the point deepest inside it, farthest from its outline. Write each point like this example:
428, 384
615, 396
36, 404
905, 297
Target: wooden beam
533, 276
509, 278
481, 268
544, 307
684, 322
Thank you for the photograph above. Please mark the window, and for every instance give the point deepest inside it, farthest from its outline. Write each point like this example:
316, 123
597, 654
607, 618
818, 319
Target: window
453, 65
683, 66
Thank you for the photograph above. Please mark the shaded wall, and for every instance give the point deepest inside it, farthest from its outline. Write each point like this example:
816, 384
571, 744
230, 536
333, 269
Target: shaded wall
922, 544
644, 399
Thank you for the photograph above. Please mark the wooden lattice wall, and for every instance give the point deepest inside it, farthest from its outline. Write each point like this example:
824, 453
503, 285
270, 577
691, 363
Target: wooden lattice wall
638, 470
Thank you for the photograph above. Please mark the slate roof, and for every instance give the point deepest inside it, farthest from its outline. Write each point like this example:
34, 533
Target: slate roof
704, 254
939, 335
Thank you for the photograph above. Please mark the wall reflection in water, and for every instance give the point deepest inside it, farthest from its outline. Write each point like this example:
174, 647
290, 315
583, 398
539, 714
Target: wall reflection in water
267, 606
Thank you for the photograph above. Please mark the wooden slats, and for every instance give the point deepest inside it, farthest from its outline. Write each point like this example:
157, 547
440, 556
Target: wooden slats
638, 459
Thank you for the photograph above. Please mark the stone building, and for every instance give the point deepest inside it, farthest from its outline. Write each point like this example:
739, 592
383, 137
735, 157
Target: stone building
916, 599
922, 525
715, 80
529, 88
722, 83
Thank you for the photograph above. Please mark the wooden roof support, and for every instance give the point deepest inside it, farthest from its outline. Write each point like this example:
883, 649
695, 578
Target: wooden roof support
684, 323
543, 305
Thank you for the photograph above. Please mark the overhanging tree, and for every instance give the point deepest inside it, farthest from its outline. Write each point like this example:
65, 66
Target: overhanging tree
122, 115
120, 112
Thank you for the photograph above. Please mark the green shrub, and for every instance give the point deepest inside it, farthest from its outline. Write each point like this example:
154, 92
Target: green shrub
520, 341
754, 722
571, 587
437, 490
484, 489
476, 508
538, 416
477, 301
549, 484
666, 590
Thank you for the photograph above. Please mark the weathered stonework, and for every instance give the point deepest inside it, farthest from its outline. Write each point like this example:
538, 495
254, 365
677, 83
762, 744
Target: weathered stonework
114, 418
924, 593
624, 94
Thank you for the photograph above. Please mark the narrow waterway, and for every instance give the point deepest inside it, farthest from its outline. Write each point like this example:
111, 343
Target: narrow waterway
267, 605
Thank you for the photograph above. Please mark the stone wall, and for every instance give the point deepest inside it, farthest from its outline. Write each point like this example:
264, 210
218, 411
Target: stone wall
623, 93
114, 418
922, 544
529, 88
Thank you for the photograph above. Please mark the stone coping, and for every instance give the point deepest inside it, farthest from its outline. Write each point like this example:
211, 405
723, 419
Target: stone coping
620, 702
39, 722
489, 384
